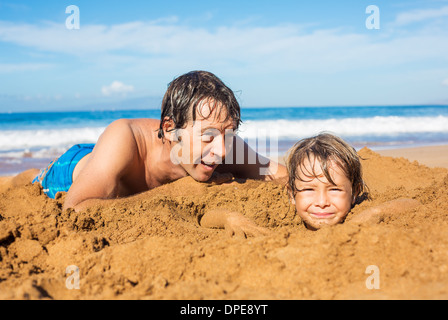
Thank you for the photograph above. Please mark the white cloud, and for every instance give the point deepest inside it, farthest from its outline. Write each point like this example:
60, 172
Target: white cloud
445, 82
19, 67
166, 46
116, 87
420, 15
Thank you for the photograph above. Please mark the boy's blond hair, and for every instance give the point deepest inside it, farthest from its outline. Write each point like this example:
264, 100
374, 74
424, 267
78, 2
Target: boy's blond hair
325, 147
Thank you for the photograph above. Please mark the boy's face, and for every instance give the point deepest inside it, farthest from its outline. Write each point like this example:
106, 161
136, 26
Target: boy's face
320, 203
204, 143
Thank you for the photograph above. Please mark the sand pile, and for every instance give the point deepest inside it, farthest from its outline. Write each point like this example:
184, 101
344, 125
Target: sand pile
151, 246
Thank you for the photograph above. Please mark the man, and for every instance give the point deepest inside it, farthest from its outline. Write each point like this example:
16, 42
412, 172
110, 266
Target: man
194, 136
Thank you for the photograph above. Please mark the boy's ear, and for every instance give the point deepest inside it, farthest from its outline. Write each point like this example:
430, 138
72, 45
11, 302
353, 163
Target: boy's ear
354, 197
291, 195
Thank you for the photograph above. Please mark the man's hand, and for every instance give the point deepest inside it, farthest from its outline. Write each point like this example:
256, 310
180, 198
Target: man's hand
220, 178
393, 207
242, 227
233, 222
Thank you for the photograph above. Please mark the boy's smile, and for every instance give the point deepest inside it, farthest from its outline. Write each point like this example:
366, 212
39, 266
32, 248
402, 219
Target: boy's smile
318, 202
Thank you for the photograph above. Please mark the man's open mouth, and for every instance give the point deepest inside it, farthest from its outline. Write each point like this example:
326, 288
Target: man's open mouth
209, 166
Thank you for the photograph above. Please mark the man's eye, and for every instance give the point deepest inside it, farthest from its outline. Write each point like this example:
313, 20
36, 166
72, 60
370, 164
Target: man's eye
305, 189
230, 136
207, 137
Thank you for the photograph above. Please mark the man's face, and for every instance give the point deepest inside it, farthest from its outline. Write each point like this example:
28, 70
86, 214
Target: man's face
204, 143
320, 203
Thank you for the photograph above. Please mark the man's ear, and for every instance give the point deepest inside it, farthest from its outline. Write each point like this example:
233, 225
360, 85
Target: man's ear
168, 127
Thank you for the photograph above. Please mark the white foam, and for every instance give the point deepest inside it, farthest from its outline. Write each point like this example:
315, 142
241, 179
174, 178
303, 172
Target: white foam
47, 138
375, 126
46, 143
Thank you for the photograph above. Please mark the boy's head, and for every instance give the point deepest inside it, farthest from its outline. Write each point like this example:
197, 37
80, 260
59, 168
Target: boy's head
325, 178
198, 107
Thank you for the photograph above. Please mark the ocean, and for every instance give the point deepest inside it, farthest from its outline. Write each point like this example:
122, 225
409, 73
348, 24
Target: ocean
32, 140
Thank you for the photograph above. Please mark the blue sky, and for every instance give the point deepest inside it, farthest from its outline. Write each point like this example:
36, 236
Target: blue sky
272, 53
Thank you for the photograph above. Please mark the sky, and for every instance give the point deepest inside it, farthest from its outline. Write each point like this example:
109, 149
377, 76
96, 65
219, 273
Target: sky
123, 54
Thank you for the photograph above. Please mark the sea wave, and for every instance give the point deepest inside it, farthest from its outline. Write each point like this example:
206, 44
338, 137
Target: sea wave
348, 127
54, 138
12, 141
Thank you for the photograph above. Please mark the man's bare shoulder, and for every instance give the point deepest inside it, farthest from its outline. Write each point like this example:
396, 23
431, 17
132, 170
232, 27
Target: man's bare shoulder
145, 132
153, 123
142, 130
127, 138
146, 126
135, 124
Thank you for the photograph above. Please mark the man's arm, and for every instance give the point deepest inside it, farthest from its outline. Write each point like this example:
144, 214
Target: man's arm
233, 222
393, 207
114, 154
244, 162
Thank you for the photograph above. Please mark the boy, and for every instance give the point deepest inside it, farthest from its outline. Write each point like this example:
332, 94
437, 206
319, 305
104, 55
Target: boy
199, 116
325, 181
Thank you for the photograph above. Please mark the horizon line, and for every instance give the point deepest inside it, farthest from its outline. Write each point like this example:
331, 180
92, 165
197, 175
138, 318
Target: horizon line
242, 108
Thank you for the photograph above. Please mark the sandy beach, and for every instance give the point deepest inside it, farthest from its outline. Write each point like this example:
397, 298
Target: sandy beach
151, 247
431, 156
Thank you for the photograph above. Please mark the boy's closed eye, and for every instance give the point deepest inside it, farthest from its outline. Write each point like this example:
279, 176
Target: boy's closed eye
305, 189
336, 189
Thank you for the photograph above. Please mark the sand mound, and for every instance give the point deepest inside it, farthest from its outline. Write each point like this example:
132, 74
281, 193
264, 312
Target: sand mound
151, 246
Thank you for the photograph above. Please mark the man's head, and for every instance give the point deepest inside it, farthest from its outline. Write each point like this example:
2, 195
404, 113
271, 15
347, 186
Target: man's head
199, 116
325, 178
184, 95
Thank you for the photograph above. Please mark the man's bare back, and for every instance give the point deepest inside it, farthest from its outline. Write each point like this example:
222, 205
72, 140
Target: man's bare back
121, 164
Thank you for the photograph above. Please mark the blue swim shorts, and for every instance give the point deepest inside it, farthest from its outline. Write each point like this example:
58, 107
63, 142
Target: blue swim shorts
58, 176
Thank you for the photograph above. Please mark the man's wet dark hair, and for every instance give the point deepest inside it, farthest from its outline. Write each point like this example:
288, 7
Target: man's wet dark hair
185, 93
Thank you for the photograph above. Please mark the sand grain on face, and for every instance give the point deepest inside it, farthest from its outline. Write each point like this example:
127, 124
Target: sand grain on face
151, 246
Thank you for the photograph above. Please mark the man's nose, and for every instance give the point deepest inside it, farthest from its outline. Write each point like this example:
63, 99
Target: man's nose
218, 149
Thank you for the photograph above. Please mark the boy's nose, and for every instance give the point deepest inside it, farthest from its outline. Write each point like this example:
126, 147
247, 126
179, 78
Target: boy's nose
322, 199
